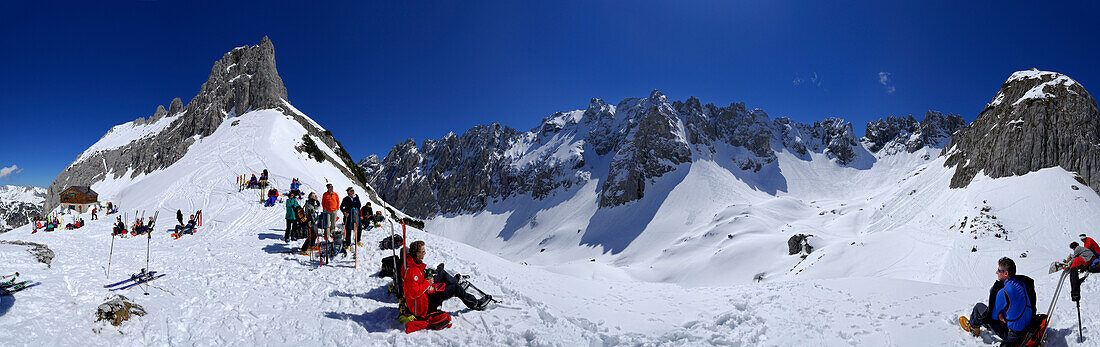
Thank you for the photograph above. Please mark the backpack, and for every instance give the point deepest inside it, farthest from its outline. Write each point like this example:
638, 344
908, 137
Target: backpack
391, 242
1036, 331
300, 213
437, 320
391, 267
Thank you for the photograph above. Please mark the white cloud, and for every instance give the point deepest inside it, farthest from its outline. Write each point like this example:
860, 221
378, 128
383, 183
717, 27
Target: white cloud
813, 80
884, 79
8, 171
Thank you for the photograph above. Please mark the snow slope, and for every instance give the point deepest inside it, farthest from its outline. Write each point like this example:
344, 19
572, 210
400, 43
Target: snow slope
886, 275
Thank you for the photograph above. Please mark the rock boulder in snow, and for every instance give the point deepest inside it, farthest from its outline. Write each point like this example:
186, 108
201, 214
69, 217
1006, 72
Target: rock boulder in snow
118, 310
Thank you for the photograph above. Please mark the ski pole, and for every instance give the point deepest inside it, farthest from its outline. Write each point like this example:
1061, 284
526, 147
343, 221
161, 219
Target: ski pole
12, 275
110, 255
1080, 334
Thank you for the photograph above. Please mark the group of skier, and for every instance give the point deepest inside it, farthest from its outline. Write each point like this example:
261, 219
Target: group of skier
257, 183
1010, 312
312, 217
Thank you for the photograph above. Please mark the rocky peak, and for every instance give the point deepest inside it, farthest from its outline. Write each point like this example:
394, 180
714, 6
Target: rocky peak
896, 134
175, 107
1038, 119
244, 79
640, 140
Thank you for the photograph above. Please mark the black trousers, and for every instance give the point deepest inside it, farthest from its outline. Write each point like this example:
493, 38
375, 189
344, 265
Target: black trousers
982, 317
450, 290
290, 224
311, 237
1075, 279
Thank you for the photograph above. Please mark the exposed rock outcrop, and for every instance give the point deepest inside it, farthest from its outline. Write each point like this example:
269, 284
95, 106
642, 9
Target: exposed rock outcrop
1037, 120
243, 80
905, 134
637, 141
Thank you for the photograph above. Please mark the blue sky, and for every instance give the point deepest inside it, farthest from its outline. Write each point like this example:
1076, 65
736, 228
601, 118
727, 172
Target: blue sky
379, 72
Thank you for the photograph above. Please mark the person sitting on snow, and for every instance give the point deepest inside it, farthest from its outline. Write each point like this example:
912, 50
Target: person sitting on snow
1011, 305
425, 289
294, 187
1081, 260
185, 229
138, 226
272, 196
252, 182
120, 227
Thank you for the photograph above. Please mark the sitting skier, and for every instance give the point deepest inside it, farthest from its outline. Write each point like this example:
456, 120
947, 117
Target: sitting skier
1082, 260
1011, 305
253, 183
425, 290
185, 229
294, 185
120, 227
272, 196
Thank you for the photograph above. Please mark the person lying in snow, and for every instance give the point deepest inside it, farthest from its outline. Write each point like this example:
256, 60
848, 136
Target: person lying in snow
425, 291
1011, 305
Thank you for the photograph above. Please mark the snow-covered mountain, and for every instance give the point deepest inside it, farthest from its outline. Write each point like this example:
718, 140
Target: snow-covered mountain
628, 147
243, 80
19, 205
689, 249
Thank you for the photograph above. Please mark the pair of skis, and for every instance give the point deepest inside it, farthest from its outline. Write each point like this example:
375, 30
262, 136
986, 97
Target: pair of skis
134, 280
11, 286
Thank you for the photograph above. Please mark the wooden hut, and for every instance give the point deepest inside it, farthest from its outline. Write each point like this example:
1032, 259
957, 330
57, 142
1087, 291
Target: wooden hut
79, 198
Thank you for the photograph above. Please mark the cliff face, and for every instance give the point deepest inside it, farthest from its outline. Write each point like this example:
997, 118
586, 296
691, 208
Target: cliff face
1037, 120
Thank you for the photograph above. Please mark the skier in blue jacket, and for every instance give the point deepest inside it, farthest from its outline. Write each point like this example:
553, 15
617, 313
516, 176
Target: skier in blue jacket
1012, 299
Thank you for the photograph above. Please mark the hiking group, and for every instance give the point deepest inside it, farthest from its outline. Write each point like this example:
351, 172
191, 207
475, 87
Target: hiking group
1010, 312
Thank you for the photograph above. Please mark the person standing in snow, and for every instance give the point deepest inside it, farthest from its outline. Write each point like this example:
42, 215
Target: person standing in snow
1011, 304
310, 207
291, 217
94, 217
350, 206
330, 203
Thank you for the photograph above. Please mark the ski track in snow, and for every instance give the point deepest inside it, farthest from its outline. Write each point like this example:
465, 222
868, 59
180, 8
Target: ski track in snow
876, 279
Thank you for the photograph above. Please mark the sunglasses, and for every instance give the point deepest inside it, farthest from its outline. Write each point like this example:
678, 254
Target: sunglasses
1000, 270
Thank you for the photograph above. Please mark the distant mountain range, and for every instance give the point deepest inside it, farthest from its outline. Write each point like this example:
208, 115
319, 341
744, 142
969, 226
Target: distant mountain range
19, 205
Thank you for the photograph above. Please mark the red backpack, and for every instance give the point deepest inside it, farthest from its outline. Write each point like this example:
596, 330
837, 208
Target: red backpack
437, 320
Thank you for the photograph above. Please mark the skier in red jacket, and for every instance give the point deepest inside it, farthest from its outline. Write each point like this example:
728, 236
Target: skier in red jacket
426, 290
416, 287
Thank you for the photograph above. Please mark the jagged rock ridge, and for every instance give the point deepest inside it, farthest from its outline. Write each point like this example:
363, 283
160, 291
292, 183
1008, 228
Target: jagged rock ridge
636, 141
1037, 120
244, 79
